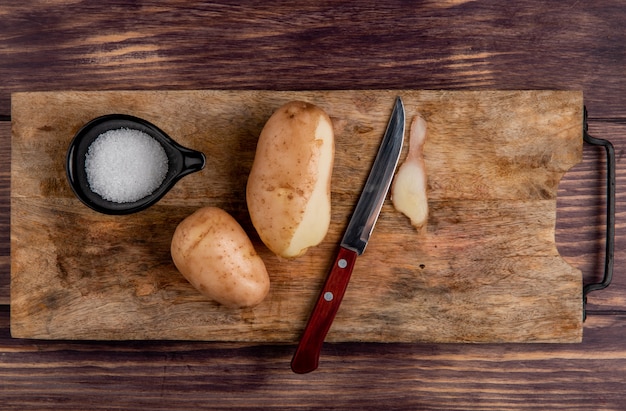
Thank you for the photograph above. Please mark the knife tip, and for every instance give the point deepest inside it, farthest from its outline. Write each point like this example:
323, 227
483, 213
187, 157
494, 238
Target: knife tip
399, 101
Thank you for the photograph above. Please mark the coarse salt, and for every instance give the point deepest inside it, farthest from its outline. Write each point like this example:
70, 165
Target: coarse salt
125, 165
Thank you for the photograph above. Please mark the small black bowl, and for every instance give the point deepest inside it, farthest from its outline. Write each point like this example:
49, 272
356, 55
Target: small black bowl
181, 161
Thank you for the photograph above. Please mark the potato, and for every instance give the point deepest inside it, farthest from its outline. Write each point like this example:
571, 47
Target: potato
288, 190
214, 253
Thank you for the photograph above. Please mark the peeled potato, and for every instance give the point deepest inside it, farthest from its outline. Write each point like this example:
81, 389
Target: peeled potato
288, 190
408, 192
215, 255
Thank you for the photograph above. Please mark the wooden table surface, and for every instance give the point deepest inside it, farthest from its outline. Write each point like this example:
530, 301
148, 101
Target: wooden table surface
285, 45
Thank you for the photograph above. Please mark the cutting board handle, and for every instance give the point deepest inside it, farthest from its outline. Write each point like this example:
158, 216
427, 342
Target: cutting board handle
610, 213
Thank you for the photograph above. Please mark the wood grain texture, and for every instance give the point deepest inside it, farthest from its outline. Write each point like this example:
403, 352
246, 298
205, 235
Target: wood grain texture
486, 268
363, 376
5, 215
282, 45
452, 44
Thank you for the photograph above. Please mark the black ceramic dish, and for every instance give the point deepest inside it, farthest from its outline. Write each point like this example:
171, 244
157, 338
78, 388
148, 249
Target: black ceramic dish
181, 161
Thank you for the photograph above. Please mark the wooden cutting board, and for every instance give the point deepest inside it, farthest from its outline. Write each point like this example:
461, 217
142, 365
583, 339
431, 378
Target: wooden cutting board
485, 269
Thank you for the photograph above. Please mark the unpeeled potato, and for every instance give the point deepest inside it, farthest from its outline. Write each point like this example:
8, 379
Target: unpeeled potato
214, 253
288, 190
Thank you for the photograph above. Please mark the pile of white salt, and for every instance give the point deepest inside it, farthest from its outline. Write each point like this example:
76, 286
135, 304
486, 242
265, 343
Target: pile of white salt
125, 165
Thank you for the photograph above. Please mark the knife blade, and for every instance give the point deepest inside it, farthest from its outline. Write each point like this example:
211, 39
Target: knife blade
353, 243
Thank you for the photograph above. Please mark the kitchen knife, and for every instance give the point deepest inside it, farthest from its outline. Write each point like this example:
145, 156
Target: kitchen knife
353, 244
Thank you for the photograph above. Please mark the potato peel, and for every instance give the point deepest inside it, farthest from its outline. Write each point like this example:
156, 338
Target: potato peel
408, 192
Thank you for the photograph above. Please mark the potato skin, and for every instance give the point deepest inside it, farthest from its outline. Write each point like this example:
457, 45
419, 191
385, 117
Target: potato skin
288, 189
213, 252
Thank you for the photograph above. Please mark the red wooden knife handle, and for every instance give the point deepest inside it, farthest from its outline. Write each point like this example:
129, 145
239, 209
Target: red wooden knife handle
307, 354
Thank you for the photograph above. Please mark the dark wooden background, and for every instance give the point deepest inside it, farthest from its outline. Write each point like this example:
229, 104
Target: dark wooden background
285, 45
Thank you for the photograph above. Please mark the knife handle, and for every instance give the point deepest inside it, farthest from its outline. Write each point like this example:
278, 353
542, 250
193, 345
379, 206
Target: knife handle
307, 354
